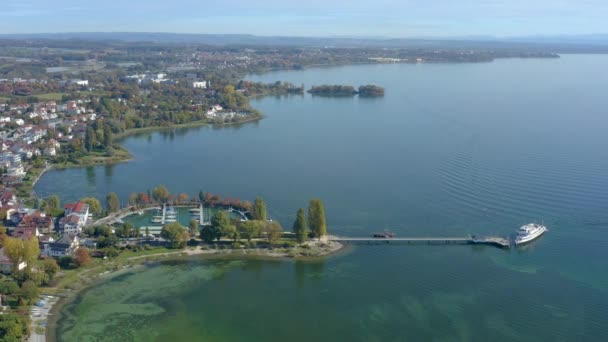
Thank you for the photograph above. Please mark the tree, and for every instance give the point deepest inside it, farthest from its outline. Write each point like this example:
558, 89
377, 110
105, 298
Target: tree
175, 234
108, 139
201, 196
29, 291
210, 233
259, 209
90, 139
160, 194
299, 226
147, 231
183, 197
67, 261
50, 267
13, 327
31, 251
219, 221
273, 231
230, 232
112, 202
133, 198
8, 286
53, 202
13, 249
3, 235
193, 227
94, 204
250, 229
316, 218
82, 257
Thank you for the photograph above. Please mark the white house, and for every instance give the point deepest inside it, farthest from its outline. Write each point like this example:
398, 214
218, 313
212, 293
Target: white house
76, 215
199, 84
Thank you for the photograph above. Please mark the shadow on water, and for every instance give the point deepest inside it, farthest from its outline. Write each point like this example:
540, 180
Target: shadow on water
109, 172
91, 176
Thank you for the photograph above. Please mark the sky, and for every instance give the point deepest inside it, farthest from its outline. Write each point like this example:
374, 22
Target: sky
377, 18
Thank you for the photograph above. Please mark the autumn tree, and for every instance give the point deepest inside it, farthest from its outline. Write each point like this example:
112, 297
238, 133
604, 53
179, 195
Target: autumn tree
143, 198
112, 202
316, 218
160, 194
182, 197
13, 249
299, 226
82, 257
31, 251
259, 209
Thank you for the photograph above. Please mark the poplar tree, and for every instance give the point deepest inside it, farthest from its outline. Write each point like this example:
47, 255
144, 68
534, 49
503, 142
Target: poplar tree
299, 226
108, 139
316, 218
259, 209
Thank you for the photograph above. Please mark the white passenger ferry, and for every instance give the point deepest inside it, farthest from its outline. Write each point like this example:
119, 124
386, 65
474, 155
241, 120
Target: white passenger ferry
529, 232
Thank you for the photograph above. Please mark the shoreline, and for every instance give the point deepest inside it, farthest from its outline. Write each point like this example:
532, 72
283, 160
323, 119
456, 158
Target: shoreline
115, 268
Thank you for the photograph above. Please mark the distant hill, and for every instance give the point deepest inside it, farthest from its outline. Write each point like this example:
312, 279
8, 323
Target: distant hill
581, 43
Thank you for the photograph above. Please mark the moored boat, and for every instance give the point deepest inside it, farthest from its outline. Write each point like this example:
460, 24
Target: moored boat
384, 235
529, 232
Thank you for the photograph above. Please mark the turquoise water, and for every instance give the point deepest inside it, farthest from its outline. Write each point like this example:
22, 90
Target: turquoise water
451, 149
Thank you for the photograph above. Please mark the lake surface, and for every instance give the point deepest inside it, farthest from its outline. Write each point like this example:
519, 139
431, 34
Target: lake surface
452, 149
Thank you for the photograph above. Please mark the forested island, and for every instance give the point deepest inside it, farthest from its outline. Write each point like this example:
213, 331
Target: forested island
333, 90
346, 90
371, 91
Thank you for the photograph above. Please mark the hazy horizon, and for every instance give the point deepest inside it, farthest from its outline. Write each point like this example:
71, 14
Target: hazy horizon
314, 18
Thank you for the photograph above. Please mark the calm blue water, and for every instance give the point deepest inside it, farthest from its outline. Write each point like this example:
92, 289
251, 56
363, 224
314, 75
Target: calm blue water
451, 149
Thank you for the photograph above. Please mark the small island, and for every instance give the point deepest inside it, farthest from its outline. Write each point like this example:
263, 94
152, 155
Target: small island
332, 90
371, 91
346, 90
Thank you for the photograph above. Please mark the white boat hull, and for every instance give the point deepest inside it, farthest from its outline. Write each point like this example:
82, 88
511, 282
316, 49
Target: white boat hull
530, 238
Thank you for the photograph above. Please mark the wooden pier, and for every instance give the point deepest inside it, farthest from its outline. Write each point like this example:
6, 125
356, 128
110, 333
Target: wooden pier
471, 240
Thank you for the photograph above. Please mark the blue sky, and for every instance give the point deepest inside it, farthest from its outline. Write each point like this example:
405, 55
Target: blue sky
391, 18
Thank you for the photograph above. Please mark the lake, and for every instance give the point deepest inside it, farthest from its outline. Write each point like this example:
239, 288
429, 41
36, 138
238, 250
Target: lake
450, 150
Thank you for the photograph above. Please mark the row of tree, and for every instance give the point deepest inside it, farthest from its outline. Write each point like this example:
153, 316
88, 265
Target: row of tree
317, 223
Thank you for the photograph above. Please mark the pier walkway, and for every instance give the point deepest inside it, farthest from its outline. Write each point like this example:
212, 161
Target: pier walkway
490, 240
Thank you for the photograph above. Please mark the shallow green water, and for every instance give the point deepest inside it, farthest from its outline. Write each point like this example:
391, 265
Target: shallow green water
451, 149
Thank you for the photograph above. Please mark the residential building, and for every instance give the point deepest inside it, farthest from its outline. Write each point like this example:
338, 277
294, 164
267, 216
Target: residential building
66, 245
76, 216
